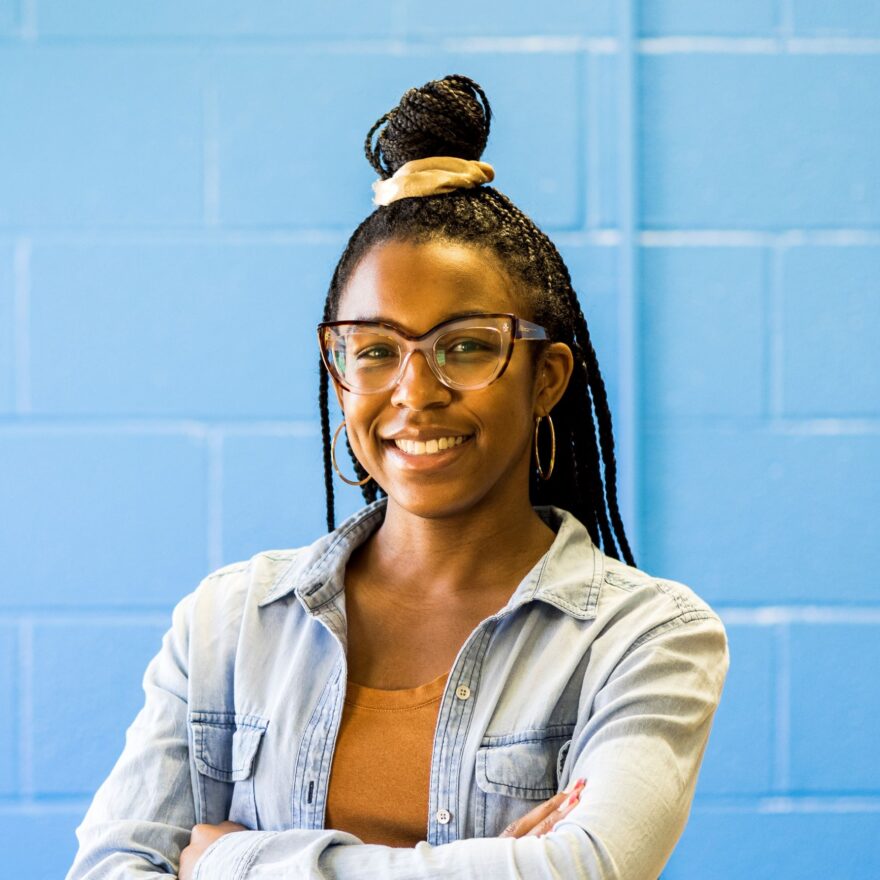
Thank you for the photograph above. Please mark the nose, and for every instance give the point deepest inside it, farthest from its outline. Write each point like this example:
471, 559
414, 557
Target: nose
418, 387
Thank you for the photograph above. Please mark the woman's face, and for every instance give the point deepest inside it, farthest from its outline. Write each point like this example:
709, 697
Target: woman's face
415, 287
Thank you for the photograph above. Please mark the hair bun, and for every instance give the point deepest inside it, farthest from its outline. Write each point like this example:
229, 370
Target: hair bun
442, 118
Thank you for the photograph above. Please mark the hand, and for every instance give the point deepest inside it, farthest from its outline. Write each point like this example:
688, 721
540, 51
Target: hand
543, 817
203, 835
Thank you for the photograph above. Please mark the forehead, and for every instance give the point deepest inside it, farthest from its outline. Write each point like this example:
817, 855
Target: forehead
419, 285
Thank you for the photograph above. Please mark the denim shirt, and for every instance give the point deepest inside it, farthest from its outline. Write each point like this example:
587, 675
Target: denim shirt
592, 669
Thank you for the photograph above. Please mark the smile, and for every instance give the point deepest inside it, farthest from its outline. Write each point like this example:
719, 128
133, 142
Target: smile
428, 447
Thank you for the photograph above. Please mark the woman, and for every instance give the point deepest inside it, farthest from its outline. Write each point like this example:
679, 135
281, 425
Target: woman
457, 681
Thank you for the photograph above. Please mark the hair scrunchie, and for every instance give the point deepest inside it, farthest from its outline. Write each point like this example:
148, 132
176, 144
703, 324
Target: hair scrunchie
430, 176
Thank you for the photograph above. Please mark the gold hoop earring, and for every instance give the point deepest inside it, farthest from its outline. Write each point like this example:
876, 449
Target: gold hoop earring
336, 466
549, 473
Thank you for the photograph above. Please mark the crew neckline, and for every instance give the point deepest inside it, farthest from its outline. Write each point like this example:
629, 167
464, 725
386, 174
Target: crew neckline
399, 698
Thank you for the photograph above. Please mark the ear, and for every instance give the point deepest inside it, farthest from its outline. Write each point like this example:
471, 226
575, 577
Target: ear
553, 372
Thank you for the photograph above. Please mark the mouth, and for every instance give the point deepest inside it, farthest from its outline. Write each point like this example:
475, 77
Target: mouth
424, 456
429, 447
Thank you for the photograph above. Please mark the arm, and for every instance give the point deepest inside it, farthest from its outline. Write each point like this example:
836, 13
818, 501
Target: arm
142, 814
640, 752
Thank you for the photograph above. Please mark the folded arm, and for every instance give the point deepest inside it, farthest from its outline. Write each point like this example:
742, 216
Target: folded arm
640, 752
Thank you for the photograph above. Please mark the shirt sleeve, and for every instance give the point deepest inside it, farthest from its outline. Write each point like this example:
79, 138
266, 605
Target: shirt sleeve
142, 815
640, 752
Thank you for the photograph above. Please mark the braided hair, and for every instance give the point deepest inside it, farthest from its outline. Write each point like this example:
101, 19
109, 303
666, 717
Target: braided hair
451, 117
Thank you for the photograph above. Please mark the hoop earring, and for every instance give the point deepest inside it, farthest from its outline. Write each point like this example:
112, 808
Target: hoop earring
549, 473
336, 466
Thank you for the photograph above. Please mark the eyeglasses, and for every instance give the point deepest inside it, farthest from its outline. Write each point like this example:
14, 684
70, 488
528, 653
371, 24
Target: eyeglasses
366, 357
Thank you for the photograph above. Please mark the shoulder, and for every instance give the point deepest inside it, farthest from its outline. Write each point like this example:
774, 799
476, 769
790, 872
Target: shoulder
645, 607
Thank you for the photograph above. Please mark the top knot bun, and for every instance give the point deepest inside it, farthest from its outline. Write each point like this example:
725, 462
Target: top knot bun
442, 118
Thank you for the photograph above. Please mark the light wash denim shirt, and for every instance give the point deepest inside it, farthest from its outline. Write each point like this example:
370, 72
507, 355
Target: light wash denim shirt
592, 669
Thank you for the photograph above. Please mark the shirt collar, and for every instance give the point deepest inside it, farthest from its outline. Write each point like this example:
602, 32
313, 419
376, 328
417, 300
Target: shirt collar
567, 576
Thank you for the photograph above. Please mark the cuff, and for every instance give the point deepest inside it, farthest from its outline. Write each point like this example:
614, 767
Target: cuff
229, 856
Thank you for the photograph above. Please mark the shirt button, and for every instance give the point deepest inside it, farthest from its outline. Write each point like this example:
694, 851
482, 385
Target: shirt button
462, 692
443, 816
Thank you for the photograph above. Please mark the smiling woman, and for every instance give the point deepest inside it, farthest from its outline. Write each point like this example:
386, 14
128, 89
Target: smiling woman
469, 676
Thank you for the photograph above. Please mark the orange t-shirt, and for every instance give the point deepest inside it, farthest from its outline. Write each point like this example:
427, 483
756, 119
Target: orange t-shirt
380, 776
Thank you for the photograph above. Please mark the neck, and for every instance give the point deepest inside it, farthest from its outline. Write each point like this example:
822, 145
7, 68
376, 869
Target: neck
492, 545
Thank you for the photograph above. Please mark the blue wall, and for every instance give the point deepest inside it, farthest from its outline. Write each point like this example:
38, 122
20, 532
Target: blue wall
176, 183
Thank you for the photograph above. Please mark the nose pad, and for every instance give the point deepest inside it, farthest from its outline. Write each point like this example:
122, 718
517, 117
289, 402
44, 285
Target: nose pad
418, 384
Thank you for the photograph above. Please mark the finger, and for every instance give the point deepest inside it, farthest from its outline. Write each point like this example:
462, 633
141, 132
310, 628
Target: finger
570, 802
522, 825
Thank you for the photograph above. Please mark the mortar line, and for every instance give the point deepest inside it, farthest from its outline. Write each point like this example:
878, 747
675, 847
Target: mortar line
21, 322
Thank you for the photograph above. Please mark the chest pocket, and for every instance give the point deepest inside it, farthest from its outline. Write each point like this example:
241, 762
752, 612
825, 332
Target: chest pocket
514, 773
224, 747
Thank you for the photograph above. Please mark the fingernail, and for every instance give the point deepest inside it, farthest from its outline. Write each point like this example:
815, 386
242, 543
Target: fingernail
573, 798
574, 784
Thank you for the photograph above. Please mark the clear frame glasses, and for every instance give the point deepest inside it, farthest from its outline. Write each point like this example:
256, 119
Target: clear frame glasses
366, 357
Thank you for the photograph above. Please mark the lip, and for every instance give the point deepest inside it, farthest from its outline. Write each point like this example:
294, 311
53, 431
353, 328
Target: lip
441, 459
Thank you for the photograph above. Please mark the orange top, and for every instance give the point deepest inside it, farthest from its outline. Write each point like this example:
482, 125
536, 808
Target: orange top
380, 775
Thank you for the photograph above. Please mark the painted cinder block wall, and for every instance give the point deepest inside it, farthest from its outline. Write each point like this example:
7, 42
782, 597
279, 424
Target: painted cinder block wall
176, 183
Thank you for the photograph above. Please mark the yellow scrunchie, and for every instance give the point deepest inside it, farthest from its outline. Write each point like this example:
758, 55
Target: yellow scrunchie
427, 177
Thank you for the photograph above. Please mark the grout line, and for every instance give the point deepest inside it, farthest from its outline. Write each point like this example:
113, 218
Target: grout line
215, 500
593, 163
627, 453
725, 45
22, 325
26, 707
781, 615
776, 364
529, 45
756, 238
767, 330
782, 730
783, 45
161, 427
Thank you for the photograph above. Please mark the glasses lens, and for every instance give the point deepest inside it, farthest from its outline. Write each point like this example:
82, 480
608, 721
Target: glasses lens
363, 359
471, 355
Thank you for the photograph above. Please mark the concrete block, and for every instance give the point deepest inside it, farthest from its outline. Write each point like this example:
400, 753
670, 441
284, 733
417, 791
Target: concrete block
178, 330
8, 16
835, 708
100, 136
220, 18
273, 492
731, 844
295, 157
96, 518
494, 19
702, 331
745, 515
739, 756
87, 691
831, 311
662, 18
759, 141
40, 842
853, 18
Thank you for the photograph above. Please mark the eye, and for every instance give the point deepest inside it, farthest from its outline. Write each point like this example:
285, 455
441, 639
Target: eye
375, 353
467, 346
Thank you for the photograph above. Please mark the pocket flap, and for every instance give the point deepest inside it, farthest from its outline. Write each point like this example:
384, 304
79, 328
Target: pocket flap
520, 770
225, 745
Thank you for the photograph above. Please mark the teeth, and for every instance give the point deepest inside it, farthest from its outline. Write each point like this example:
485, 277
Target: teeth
430, 447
